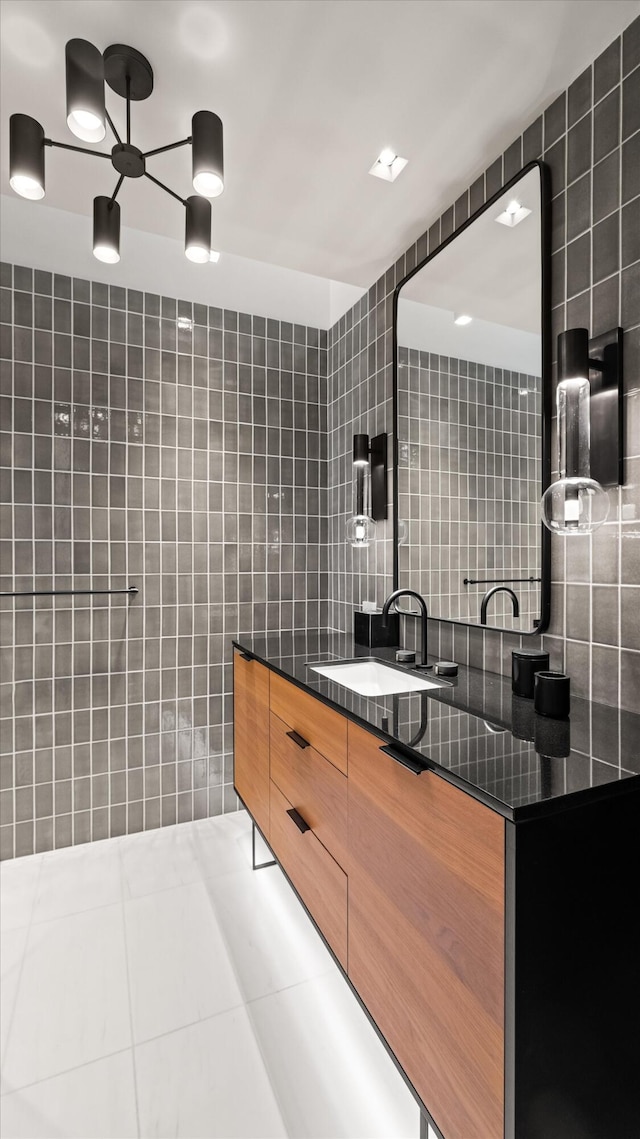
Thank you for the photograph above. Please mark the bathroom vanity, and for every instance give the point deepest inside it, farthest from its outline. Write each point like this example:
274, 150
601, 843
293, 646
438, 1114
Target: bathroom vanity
479, 897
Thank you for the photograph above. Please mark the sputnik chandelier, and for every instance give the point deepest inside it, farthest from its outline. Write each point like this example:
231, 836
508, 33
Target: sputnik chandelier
130, 75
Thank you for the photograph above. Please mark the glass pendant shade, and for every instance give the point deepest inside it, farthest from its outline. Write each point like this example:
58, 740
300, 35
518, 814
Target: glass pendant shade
207, 154
85, 91
106, 230
26, 160
360, 529
197, 244
576, 503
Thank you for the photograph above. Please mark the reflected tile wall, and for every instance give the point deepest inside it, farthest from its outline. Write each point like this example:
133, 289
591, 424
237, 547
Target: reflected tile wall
590, 138
469, 477
151, 442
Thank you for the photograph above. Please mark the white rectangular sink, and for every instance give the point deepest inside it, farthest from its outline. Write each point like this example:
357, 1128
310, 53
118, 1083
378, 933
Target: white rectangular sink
374, 678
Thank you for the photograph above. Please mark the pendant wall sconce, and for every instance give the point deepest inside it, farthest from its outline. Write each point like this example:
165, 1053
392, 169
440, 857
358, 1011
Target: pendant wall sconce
370, 474
129, 75
589, 421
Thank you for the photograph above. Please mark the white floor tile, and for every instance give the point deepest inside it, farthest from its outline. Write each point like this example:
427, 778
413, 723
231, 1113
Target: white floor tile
270, 939
76, 879
92, 1102
18, 885
12, 947
72, 1005
158, 860
179, 969
207, 1080
330, 1073
223, 845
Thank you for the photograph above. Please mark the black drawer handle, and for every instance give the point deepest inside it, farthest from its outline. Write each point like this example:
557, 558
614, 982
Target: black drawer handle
298, 820
246, 656
413, 765
298, 739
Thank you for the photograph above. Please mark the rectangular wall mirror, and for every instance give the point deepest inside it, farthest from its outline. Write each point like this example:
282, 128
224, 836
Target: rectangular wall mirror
472, 416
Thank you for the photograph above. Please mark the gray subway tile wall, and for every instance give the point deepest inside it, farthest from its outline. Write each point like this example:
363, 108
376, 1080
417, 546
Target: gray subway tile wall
590, 138
151, 442
211, 466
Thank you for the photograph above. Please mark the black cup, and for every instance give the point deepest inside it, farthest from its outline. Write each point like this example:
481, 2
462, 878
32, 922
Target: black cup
525, 663
552, 695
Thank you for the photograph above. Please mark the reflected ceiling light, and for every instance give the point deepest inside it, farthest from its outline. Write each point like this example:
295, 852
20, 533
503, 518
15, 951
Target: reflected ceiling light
388, 165
461, 318
514, 214
129, 75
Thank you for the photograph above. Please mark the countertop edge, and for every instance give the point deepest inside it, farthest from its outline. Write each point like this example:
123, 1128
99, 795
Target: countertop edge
527, 813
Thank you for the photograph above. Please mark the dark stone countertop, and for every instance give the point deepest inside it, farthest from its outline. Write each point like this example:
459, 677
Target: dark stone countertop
475, 733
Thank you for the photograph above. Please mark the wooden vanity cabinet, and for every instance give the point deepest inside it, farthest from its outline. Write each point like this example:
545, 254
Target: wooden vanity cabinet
426, 933
496, 959
251, 684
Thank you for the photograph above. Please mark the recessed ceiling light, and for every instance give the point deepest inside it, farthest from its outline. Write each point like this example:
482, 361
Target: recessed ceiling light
514, 214
388, 165
462, 318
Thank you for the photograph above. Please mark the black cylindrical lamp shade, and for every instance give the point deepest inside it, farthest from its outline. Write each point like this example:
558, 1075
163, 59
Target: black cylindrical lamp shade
360, 450
197, 245
573, 354
26, 161
106, 230
207, 154
85, 91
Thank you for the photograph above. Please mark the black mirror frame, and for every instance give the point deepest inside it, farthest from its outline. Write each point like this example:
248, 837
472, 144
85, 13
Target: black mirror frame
546, 410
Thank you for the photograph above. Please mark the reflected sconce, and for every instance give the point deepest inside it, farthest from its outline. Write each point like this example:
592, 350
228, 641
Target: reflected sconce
129, 74
370, 475
589, 421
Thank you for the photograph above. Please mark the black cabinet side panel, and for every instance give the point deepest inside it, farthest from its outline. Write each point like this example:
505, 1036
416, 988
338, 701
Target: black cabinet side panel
577, 982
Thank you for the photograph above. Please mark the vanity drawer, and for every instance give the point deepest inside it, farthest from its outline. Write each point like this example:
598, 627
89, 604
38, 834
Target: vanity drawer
319, 725
313, 785
314, 873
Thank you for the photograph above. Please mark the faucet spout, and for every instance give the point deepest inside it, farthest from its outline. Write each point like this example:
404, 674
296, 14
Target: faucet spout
490, 593
391, 599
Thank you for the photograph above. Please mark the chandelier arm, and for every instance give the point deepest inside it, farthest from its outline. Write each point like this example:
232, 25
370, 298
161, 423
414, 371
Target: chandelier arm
115, 192
113, 127
171, 146
128, 110
80, 149
165, 188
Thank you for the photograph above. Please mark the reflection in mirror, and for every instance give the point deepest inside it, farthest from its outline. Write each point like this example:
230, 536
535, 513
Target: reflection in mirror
469, 419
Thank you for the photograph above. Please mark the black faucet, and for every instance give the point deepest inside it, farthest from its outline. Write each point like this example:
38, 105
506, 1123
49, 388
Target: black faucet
489, 594
423, 611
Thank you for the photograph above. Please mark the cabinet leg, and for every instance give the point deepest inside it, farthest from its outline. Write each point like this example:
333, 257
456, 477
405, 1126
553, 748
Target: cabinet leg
257, 865
424, 1127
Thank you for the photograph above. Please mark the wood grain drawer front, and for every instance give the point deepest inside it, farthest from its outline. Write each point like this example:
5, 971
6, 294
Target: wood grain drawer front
321, 883
323, 728
426, 933
313, 786
251, 737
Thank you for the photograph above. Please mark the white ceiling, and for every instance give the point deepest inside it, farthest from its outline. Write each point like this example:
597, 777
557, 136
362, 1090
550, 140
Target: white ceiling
309, 92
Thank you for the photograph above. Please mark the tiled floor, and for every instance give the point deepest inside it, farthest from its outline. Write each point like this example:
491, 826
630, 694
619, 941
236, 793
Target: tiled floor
154, 985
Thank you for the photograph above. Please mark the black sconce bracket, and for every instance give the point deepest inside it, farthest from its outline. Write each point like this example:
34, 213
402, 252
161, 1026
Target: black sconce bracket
378, 461
606, 408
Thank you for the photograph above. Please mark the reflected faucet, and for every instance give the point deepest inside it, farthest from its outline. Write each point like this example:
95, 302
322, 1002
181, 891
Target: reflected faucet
423, 612
489, 594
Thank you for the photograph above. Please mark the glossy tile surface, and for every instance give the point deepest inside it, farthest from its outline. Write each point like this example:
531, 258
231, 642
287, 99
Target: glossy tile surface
155, 985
